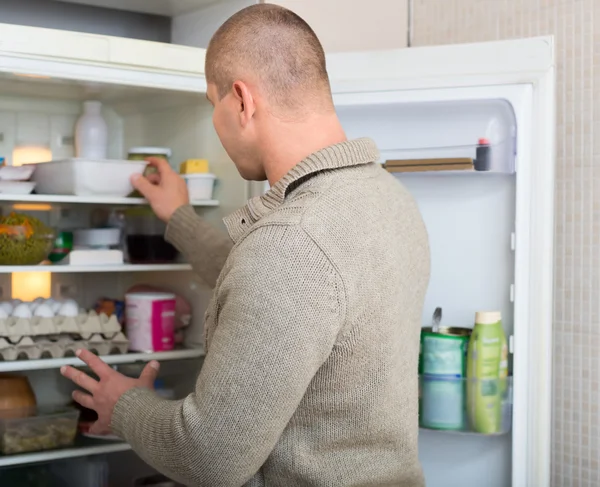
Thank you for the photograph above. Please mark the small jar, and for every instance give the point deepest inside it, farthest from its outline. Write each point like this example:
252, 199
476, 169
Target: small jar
143, 153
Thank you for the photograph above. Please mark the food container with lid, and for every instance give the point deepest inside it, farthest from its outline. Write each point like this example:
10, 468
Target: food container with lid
87, 177
45, 429
200, 186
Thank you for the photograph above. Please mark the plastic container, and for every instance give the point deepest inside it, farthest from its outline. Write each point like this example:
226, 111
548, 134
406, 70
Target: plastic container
18, 246
150, 321
200, 186
91, 132
47, 429
145, 239
444, 404
16, 187
16, 173
87, 177
97, 237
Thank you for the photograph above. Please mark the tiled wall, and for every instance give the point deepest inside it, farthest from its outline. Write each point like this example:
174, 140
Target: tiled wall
576, 396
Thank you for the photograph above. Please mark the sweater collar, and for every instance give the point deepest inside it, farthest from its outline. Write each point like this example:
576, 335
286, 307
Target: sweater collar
345, 154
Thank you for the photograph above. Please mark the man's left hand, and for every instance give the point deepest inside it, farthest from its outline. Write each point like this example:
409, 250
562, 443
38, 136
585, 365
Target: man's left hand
105, 392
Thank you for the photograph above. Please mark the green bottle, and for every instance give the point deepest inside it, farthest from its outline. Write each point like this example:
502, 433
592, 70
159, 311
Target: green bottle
486, 366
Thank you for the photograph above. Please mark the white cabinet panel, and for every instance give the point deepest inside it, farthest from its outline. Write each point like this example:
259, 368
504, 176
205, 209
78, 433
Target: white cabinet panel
49, 42
62, 141
33, 129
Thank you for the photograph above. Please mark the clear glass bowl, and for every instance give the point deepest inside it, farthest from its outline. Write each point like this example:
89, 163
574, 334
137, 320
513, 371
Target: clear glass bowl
22, 245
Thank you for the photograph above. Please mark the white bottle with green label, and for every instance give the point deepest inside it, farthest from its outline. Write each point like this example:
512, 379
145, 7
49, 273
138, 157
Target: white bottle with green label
486, 370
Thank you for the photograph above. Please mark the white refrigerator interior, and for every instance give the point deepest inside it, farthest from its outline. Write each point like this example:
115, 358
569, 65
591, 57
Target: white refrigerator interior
415, 103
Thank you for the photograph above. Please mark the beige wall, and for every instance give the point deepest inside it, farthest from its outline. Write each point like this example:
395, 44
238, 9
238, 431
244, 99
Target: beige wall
352, 25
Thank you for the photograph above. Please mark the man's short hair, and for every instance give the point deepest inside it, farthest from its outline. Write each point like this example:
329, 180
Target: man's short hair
275, 48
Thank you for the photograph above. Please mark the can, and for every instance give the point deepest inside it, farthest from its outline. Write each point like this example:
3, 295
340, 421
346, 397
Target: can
442, 369
150, 321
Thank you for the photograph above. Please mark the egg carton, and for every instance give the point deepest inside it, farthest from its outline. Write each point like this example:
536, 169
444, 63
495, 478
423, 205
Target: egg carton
39, 348
85, 325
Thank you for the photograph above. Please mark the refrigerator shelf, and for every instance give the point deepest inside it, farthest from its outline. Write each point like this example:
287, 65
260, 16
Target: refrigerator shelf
83, 447
87, 200
80, 269
493, 158
127, 358
465, 433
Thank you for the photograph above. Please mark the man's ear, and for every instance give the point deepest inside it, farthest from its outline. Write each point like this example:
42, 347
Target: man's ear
245, 102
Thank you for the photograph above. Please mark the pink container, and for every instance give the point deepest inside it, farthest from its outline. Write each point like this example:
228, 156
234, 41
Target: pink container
150, 321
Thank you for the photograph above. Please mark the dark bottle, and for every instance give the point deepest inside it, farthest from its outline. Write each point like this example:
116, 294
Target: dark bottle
483, 155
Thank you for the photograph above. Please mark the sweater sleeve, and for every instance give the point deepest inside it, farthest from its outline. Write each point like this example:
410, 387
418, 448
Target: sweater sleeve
279, 319
204, 247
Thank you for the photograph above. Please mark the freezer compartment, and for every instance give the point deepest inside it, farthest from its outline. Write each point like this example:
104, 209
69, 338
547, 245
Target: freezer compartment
475, 135
46, 430
465, 405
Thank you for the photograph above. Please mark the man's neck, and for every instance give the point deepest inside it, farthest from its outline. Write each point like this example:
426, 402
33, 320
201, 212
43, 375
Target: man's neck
290, 142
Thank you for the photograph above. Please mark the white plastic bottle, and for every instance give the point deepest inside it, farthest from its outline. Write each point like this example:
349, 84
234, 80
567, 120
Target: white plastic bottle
91, 132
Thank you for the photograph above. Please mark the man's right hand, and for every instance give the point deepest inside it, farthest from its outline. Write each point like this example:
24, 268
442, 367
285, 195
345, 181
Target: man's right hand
166, 191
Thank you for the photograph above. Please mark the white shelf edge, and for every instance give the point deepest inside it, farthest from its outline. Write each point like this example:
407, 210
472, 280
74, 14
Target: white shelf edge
83, 200
62, 454
80, 269
466, 433
127, 358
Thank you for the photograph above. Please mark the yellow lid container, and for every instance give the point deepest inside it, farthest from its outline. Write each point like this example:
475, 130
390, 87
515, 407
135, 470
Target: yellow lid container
194, 166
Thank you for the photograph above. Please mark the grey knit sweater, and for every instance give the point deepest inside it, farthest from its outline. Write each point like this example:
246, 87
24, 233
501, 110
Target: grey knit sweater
312, 337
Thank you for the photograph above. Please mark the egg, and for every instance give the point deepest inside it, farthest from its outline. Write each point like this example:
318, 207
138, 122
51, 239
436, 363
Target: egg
22, 311
35, 303
3, 314
49, 302
44, 311
55, 307
69, 308
7, 307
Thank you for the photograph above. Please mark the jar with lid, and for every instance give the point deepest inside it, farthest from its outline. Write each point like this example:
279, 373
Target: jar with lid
143, 153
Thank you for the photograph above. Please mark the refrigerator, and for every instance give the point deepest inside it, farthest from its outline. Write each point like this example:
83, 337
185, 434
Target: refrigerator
491, 233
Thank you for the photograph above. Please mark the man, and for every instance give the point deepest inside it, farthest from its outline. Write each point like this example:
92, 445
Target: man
312, 335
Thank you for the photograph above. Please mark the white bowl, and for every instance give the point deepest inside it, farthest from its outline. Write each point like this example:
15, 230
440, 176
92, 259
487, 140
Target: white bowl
97, 237
200, 186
